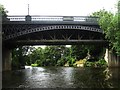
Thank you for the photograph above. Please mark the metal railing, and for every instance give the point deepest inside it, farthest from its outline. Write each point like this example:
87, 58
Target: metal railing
54, 18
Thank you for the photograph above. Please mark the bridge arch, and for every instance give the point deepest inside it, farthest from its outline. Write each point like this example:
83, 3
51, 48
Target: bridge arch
53, 27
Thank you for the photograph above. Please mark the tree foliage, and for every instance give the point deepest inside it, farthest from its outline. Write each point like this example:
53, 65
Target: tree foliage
3, 11
19, 56
59, 55
110, 23
53, 56
79, 51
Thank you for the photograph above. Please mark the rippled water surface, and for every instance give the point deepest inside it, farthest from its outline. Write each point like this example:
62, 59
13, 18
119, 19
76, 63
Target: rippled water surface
62, 77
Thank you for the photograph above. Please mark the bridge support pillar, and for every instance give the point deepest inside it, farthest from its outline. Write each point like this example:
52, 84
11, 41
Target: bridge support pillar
6, 59
112, 59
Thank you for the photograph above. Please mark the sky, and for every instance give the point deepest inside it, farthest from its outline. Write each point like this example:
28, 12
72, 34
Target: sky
57, 7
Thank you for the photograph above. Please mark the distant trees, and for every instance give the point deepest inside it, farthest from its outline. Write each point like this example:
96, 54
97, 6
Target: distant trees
50, 56
59, 55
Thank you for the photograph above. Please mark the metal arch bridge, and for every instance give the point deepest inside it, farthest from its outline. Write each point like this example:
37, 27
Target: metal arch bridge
47, 30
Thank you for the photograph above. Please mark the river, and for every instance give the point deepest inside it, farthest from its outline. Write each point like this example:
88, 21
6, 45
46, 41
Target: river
62, 77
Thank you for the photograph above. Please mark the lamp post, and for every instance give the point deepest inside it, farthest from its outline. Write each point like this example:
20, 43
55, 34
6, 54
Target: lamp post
28, 17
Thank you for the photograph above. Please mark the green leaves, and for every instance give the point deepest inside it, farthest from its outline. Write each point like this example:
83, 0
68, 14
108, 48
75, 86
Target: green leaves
110, 23
3, 12
105, 18
79, 51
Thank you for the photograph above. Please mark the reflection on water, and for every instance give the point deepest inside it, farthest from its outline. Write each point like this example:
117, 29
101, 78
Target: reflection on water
62, 77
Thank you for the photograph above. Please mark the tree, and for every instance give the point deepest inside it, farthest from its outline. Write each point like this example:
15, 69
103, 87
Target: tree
3, 12
95, 51
51, 56
37, 56
110, 25
19, 56
79, 51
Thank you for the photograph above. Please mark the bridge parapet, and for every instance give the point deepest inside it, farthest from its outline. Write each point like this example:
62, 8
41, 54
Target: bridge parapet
54, 18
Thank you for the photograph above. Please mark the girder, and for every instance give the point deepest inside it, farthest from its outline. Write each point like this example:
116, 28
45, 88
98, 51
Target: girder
58, 42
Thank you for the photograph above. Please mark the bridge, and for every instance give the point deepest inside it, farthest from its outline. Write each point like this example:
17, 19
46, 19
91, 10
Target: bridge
49, 30
46, 30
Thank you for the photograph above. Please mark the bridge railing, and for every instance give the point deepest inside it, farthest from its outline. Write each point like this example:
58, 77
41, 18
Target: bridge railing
16, 18
54, 18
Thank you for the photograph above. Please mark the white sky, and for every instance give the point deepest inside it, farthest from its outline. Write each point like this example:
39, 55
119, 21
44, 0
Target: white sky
57, 7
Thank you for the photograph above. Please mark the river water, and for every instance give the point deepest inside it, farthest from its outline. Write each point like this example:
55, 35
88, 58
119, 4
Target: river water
62, 77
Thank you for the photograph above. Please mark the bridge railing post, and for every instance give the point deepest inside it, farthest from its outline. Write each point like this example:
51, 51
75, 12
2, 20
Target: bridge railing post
28, 18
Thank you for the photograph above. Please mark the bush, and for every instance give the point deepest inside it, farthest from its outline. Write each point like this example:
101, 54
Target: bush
38, 62
100, 63
34, 65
